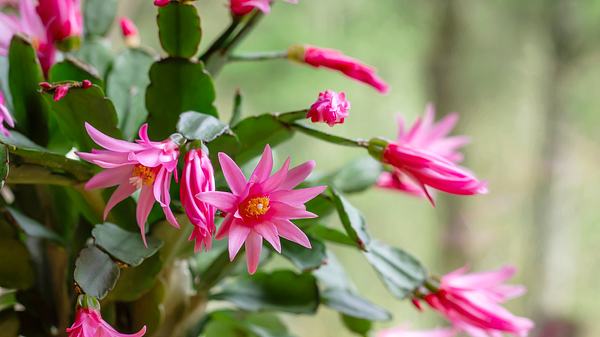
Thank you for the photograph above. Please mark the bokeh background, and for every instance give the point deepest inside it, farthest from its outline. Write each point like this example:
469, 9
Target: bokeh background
523, 75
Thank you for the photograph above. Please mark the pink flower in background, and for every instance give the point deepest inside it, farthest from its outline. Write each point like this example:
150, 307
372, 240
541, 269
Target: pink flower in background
89, 323
402, 332
161, 3
424, 156
243, 7
129, 32
262, 206
5, 117
144, 165
27, 23
335, 60
198, 176
60, 92
471, 302
62, 17
331, 108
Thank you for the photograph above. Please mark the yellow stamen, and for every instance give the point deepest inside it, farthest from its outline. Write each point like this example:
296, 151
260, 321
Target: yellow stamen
142, 175
255, 207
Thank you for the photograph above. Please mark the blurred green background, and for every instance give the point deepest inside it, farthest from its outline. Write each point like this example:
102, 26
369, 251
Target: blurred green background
522, 74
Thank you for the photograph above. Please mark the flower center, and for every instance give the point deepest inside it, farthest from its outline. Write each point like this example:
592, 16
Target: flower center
142, 175
255, 207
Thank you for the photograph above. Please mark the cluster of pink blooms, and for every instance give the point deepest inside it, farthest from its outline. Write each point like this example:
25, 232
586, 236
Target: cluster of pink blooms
472, 304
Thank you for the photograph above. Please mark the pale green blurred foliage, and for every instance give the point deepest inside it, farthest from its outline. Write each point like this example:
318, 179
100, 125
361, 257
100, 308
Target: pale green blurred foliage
502, 73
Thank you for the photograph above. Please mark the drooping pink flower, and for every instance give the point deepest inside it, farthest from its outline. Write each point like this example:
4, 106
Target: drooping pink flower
262, 206
62, 17
144, 165
243, 7
335, 60
472, 303
60, 92
424, 156
89, 323
331, 108
198, 176
161, 3
5, 117
403, 332
27, 23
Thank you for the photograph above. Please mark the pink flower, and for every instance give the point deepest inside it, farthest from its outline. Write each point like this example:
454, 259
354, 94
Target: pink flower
198, 176
262, 206
471, 302
402, 332
161, 3
331, 108
243, 7
335, 60
5, 117
89, 323
128, 28
29, 24
425, 156
60, 92
144, 165
62, 17
85, 84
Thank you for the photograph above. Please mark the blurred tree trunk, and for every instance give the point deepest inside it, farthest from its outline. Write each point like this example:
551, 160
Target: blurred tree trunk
443, 71
553, 261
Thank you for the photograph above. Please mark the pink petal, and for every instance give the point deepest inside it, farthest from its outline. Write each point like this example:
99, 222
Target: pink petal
269, 232
225, 227
297, 175
110, 177
284, 211
144, 206
286, 229
233, 174
264, 167
276, 179
253, 250
110, 143
237, 236
123, 191
222, 200
297, 197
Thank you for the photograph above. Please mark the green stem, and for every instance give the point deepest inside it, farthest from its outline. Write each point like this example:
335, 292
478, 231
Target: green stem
221, 40
327, 137
237, 109
292, 116
259, 56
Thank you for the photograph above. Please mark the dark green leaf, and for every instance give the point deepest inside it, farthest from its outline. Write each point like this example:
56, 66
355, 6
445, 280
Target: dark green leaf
177, 86
98, 16
4, 164
73, 70
347, 302
400, 272
179, 29
329, 234
357, 325
25, 74
123, 245
357, 175
135, 282
279, 291
148, 310
303, 258
227, 323
352, 219
126, 87
96, 52
16, 272
199, 126
33, 228
84, 105
9, 324
95, 272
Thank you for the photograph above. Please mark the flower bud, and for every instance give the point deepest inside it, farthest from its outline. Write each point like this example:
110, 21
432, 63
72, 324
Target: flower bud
86, 84
130, 33
331, 108
60, 92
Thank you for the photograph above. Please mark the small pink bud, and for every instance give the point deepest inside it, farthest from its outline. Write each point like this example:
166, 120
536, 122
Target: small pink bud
45, 85
331, 108
128, 28
86, 84
161, 3
60, 92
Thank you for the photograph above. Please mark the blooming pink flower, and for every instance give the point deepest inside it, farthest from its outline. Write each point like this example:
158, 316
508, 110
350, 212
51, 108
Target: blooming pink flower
161, 3
243, 7
471, 302
89, 323
60, 92
262, 206
62, 17
425, 156
5, 117
402, 332
198, 176
331, 108
144, 165
335, 60
29, 24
